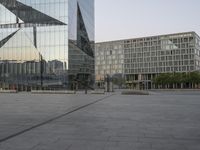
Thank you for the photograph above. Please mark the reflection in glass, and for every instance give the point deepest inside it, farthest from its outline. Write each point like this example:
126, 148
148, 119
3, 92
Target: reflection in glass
42, 45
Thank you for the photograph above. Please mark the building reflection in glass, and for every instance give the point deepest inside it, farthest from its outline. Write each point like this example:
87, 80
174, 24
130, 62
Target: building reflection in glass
46, 44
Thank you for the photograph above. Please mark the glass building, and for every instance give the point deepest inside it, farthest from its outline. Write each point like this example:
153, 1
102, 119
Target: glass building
46, 44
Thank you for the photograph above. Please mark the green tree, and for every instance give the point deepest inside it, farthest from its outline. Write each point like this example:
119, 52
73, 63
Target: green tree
194, 78
177, 80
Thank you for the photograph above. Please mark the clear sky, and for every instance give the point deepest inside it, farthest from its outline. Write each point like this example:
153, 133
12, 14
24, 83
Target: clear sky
123, 19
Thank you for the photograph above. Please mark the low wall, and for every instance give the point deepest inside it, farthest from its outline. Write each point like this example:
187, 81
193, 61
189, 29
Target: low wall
134, 92
52, 92
8, 91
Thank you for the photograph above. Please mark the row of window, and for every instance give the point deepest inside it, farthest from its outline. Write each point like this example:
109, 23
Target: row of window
156, 64
180, 43
183, 37
159, 70
104, 72
157, 59
159, 53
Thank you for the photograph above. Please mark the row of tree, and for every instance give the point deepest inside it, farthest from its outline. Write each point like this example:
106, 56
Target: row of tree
178, 80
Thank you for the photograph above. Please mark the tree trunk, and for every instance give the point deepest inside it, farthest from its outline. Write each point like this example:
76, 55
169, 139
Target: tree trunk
181, 85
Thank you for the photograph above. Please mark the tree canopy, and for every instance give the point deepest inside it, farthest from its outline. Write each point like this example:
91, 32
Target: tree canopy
177, 78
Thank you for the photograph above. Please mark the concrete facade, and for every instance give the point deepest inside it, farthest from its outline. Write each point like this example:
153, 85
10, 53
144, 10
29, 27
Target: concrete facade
139, 60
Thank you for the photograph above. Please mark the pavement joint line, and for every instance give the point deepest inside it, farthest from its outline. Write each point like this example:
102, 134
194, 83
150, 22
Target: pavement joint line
52, 119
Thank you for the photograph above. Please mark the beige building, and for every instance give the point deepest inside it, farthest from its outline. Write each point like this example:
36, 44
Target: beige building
139, 60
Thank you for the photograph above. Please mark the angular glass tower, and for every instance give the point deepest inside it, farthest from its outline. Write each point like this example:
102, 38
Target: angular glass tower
46, 44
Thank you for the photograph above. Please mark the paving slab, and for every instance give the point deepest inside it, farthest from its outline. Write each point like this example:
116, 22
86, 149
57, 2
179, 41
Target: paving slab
24, 110
120, 122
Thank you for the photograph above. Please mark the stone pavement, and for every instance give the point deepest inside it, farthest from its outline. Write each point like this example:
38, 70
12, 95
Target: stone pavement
162, 121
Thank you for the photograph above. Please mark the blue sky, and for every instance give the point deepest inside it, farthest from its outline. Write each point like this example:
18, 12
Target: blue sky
122, 19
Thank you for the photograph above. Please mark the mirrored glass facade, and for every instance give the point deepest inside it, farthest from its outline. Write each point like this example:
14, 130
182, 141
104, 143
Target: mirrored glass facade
81, 40
46, 44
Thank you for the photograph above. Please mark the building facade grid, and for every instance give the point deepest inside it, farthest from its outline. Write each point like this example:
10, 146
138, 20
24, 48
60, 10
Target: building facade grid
144, 58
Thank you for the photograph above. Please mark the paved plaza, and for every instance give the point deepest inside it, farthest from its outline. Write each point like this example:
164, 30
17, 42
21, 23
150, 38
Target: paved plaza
161, 121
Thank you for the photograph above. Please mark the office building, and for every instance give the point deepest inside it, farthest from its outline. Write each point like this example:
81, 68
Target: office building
140, 60
46, 44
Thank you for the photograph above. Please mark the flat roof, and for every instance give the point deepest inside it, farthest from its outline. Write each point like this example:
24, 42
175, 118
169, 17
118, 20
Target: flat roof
172, 34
